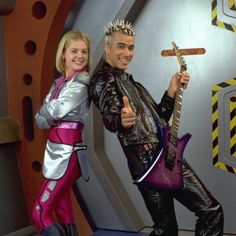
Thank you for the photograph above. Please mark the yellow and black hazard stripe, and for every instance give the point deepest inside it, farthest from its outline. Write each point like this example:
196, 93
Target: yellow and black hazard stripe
231, 4
215, 126
233, 126
214, 19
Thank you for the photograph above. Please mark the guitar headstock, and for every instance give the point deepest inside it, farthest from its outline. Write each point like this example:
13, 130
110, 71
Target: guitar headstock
182, 64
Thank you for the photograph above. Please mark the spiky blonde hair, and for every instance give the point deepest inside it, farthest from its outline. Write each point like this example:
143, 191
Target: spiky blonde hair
119, 26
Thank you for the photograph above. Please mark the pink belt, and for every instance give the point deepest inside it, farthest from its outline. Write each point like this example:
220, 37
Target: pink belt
66, 133
70, 125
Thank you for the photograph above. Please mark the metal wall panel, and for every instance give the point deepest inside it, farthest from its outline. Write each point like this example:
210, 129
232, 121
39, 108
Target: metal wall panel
190, 24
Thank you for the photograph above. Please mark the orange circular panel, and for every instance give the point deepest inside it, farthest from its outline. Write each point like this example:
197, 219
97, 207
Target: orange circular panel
32, 33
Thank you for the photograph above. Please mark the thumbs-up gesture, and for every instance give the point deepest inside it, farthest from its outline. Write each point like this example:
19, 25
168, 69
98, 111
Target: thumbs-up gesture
127, 114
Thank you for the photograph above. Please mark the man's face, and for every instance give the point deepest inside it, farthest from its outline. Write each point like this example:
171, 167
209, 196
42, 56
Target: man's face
120, 52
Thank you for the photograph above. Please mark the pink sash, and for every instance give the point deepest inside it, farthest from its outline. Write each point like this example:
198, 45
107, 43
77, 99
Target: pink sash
65, 136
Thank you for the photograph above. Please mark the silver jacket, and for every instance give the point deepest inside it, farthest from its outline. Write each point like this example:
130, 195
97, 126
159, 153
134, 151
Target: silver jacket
72, 104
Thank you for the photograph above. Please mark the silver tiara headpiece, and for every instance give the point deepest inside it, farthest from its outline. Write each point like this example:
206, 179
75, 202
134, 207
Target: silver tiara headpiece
120, 26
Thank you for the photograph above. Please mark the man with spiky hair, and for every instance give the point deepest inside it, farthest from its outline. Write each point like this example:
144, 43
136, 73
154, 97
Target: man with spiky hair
129, 111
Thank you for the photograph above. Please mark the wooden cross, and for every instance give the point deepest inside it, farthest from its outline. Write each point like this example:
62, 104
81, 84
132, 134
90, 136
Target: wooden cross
186, 51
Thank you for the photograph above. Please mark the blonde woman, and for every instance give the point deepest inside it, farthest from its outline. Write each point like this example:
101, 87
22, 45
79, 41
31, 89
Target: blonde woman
63, 112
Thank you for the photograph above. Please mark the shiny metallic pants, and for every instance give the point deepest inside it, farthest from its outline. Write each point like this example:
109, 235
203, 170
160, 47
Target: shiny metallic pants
55, 198
194, 196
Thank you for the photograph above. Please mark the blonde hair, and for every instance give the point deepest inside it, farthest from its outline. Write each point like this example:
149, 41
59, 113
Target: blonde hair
66, 40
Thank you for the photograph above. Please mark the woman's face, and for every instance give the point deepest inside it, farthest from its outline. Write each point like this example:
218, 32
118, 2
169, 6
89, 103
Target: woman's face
76, 57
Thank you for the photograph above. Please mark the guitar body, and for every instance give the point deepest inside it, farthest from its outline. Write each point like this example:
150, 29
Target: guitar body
165, 172
158, 176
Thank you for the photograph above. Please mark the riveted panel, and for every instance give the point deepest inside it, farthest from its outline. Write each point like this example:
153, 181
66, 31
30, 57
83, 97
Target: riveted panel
36, 26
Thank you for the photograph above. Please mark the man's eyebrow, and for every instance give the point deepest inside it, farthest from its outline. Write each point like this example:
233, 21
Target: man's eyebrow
124, 44
120, 43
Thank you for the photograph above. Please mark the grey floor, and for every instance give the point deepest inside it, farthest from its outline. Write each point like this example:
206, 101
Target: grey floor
143, 233
188, 233
29, 231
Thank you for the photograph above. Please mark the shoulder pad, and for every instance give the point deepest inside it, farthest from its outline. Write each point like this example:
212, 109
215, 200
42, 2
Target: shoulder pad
83, 78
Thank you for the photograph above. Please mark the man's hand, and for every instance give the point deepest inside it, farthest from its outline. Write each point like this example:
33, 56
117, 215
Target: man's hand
179, 77
127, 114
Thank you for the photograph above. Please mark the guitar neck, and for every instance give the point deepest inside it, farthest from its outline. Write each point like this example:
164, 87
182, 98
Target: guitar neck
176, 114
178, 100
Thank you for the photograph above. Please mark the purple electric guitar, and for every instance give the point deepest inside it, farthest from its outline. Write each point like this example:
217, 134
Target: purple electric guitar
165, 171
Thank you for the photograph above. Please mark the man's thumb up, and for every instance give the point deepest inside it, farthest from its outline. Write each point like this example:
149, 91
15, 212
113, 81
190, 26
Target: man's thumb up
127, 114
127, 106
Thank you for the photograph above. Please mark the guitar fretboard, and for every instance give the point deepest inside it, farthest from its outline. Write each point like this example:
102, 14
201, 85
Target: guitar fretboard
176, 115
178, 101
